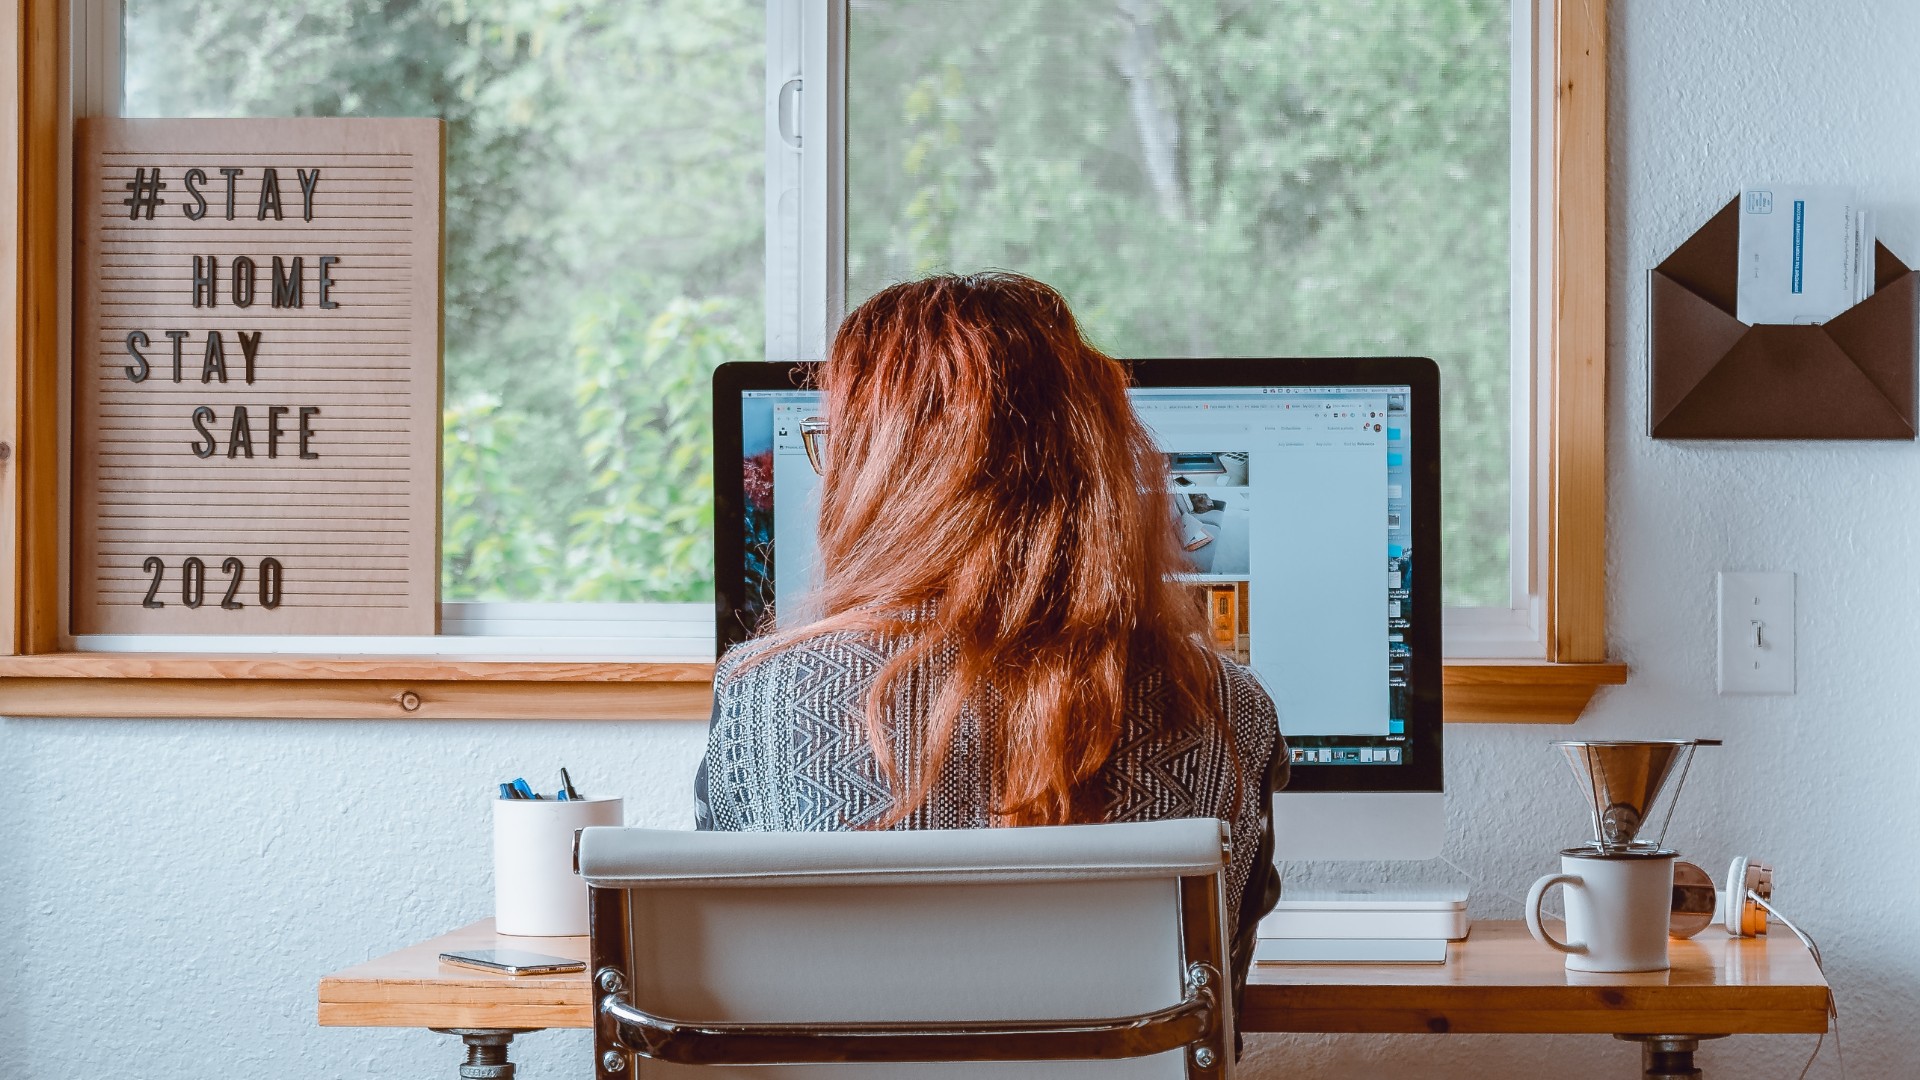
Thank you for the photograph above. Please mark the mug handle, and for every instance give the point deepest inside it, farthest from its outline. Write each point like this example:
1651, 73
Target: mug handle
1538, 893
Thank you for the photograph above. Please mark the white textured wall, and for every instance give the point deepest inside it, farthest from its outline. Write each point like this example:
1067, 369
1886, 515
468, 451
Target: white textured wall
172, 890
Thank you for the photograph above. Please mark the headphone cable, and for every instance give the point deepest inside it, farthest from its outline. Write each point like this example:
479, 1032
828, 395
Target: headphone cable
1833, 1006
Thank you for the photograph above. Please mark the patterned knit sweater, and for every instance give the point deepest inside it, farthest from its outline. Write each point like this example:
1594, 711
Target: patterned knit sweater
787, 751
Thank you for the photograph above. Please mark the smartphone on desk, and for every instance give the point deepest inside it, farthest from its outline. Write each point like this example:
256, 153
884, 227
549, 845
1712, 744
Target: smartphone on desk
513, 961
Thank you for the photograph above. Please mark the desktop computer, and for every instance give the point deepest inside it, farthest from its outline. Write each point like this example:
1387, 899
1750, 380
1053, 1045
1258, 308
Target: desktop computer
1307, 495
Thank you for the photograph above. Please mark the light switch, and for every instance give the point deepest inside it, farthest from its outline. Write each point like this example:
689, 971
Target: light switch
1756, 633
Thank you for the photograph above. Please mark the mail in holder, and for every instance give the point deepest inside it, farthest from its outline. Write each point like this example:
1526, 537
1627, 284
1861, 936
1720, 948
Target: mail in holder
1712, 376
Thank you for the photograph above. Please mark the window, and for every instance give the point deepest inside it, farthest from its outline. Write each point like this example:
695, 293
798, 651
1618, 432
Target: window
1204, 178
604, 251
1198, 178
677, 139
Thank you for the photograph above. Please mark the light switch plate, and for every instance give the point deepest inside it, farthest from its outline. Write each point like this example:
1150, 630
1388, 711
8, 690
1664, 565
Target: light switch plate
1756, 633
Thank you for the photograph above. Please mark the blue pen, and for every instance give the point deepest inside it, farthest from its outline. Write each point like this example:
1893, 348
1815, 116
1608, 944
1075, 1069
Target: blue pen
507, 792
520, 785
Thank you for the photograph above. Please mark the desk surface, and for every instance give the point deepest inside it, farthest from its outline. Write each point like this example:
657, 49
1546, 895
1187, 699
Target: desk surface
1497, 981
412, 988
1501, 981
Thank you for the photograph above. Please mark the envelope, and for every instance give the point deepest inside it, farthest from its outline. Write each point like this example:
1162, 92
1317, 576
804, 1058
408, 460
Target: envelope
1711, 376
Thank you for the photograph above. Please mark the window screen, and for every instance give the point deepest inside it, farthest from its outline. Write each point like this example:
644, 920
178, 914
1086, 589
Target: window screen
1202, 178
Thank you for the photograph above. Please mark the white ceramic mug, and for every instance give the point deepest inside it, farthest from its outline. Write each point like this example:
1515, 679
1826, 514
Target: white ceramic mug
535, 891
1617, 909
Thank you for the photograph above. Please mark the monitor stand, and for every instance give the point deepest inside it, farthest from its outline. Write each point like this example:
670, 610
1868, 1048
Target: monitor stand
1381, 924
1388, 922
1350, 951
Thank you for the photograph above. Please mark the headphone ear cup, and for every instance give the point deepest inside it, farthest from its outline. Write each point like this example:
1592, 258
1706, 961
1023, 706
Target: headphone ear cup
1695, 903
1736, 910
1733, 901
1760, 883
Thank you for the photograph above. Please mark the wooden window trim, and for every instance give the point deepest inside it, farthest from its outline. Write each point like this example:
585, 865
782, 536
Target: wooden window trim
37, 679
175, 685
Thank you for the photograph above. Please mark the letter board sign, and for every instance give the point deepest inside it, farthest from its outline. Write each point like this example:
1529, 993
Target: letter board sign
256, 379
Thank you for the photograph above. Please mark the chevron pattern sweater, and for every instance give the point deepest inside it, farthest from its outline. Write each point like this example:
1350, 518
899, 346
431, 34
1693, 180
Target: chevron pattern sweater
787, 751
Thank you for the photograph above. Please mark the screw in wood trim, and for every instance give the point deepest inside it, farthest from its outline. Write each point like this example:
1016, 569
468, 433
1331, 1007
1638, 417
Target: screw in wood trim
408, 700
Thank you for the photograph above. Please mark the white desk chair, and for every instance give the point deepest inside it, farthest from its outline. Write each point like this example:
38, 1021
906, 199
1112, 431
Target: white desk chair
1070, 952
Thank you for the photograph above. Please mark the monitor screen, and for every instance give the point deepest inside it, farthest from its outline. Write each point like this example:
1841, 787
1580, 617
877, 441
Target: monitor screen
1299, 491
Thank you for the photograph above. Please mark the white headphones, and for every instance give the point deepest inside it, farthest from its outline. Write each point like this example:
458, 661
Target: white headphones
1733, 907
1737, 910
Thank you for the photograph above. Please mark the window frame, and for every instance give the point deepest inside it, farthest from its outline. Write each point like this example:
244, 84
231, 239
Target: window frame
45, 46
816, 33
654, 630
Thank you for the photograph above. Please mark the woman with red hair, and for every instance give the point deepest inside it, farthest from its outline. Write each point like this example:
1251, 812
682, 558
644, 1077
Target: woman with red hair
998, 637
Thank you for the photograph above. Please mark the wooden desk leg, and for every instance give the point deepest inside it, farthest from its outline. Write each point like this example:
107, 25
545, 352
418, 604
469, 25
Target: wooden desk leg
1668, 1057
486, 1051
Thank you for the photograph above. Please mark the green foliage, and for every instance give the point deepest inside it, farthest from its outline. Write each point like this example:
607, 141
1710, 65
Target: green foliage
1198, 176
1209, 177
604, 249
497, 534
648, 532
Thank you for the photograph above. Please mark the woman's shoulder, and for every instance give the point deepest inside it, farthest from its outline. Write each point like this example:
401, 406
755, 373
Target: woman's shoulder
1249, 710
772, 658
1242, 692
742, 654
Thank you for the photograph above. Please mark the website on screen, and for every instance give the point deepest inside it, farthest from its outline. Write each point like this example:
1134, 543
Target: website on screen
1292, 506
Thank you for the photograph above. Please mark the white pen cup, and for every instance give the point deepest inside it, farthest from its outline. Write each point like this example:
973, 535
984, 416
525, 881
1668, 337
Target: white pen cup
535, 891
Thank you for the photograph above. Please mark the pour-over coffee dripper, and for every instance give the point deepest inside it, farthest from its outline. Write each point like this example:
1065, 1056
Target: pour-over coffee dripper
1631, 786
1619, 885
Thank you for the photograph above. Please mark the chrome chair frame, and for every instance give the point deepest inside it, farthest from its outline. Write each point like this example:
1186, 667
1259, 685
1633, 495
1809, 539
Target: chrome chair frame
622, 1032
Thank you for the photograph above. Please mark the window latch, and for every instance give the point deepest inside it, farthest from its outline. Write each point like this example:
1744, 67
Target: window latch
787, 112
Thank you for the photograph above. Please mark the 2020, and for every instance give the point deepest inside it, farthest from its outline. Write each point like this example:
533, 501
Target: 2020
193, 582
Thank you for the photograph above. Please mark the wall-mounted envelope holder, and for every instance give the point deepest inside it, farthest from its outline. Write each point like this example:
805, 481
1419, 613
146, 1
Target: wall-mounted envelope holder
1712, 376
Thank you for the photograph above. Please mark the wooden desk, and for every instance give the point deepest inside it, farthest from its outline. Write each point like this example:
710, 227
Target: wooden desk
1498, 981
1501, 981
412, 988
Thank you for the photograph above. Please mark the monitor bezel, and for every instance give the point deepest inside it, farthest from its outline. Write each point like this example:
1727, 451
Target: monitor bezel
1423, 770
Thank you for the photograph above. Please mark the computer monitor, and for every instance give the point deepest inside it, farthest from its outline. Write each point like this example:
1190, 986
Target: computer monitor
1307, 493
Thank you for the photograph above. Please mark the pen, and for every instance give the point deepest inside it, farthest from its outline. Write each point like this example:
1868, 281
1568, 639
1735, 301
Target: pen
520, 785
566, 785
507, 792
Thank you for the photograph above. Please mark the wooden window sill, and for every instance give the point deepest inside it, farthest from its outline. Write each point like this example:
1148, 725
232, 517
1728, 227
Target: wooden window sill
1520, 691
178, 685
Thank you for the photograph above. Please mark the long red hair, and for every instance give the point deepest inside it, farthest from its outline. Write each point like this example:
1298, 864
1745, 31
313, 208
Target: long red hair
988, 490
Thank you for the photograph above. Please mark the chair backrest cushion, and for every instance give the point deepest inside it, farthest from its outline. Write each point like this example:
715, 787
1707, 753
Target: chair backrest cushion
1055, 923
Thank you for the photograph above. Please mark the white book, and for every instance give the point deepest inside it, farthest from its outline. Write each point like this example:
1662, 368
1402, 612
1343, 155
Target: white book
1799, 258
